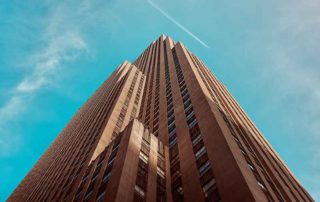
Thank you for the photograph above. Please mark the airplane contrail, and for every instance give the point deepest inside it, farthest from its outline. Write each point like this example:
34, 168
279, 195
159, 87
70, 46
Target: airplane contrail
177, 23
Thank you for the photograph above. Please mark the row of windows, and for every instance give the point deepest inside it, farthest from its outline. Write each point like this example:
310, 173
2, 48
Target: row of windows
140, 62
145, 91
151, 88
142, 174
125, 105
176, 185
65, 183
74, 170
204, 73
250, 163
205, 76
156, 99
161, 177
105, 176
204, 168
136, 101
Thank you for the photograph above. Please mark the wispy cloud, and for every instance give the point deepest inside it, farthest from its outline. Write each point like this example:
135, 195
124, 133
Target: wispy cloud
65, 47
9, 141
294, 77
61, 44
164, 13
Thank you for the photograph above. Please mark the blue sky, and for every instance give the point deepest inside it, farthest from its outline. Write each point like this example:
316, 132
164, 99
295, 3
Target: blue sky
54, 54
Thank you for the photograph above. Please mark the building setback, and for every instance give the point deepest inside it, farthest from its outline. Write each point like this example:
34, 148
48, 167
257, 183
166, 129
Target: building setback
161, 129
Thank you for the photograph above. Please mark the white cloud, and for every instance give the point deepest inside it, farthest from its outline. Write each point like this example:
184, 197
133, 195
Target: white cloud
9, 140
294, 76
68, 46
62, 42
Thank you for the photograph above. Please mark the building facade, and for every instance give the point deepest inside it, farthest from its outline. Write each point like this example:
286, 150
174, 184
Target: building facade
161, 129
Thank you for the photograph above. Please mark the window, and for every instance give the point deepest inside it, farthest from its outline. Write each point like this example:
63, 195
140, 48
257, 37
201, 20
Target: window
160, 148
177, 184
212, 194
155, 128
143, 157
174, 151
202, 159
182, 83
160, 172
204, 168
139, 190
170, 120
198, 146
107, 171
112, 158
196, 140
145, 148
207, 186
89, 191
208, 175
262, 186
141, 180
172, 140
200, 152
175, 167
106, 177
191, 121
143, 167
177, 190
170, 113
189, 111
186, 97
194, 122
171, 128
146, 137
88, 196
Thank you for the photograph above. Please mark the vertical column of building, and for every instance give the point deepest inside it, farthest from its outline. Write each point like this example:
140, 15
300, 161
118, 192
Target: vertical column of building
170, 135
122, 164
156, 100
127, 103
212, 129
169, 130
147, 70
66, 151
152, 88
294, 187
244, 125
161, 174
141, 185
122, 115
89, 194
86, 147
207, 180
86, 144
136, 104
228, 106
141, 61
137, 176
259, 174
85, 188
94, 183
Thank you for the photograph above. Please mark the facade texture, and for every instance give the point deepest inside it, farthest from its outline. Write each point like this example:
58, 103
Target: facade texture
161, 129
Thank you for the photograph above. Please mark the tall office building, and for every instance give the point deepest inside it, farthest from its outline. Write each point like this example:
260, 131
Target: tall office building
161, 129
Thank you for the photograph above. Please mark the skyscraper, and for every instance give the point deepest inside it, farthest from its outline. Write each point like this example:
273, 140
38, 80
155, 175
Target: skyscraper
161, 129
